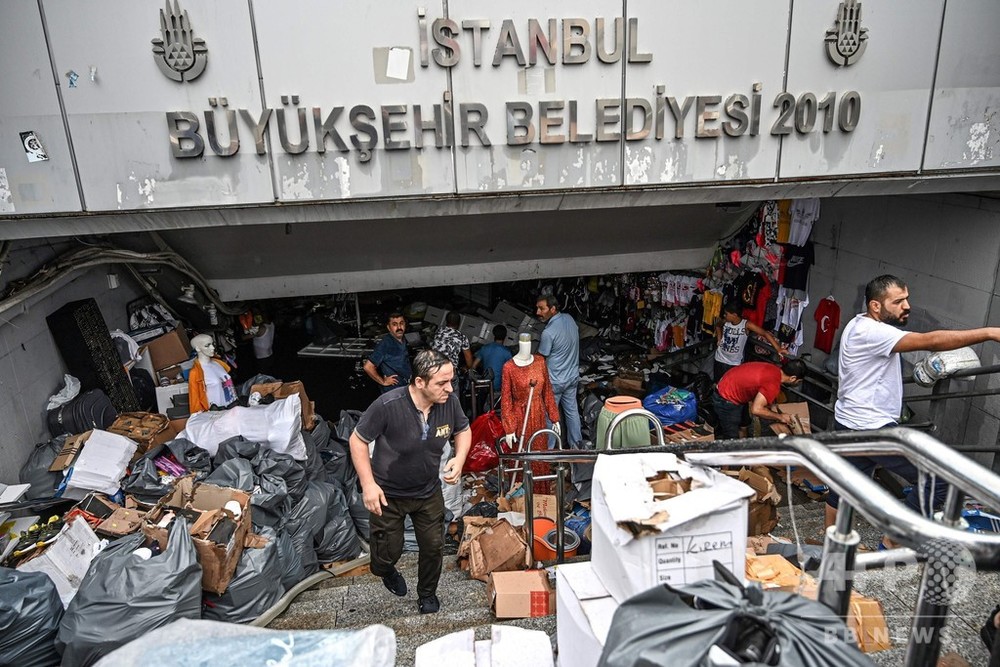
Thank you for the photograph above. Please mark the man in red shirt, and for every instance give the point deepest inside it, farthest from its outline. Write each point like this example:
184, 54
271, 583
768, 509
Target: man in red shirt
754, 385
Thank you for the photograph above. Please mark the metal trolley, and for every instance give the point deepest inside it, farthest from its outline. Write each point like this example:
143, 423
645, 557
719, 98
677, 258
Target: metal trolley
823, 454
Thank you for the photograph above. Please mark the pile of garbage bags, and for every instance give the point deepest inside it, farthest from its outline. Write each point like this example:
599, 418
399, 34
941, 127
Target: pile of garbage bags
304, 513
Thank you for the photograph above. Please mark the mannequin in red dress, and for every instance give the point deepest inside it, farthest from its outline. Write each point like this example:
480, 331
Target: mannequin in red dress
518, 376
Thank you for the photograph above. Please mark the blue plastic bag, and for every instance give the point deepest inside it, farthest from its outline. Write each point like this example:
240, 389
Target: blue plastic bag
672, 405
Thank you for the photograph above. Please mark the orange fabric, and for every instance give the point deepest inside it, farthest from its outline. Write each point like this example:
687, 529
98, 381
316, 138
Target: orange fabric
197, 394
514, 389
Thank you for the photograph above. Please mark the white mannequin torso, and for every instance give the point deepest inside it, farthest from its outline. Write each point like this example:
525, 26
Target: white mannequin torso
523, 357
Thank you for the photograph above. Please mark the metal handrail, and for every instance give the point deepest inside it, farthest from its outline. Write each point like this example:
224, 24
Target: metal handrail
822, 454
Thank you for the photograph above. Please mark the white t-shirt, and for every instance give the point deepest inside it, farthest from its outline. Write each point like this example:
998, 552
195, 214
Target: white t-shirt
218, 385
263, 345
734, 339
871, 380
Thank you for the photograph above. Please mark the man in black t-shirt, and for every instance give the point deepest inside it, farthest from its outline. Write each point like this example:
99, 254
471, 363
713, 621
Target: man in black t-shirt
410, 427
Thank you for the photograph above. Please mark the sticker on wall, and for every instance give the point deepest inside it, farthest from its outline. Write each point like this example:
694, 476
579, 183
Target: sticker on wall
33, 147
6, 201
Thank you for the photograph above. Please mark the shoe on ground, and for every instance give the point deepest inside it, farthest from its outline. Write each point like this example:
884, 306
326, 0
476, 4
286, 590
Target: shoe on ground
395, 583
429, 604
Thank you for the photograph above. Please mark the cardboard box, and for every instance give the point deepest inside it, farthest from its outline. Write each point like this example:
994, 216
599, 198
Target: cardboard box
521, 594
498, 548
683, 433
801, 413
146, 429
286, 389
122, 521
71, 447
865, 616
169, 349
542, 504
640, 542
218, 561
584, 610
763, 511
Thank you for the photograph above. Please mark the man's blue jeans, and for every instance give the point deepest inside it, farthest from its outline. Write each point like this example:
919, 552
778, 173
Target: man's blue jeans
569, 408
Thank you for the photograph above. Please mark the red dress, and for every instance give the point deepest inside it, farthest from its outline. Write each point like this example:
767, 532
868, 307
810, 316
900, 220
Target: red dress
515, 386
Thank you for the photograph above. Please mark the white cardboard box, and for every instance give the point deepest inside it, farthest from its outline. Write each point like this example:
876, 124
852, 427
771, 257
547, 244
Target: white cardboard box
705, 524
584, 610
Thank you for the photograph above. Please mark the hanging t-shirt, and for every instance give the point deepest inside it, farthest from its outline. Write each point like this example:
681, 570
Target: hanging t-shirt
796, 261
218, 385
713, 306
784, 220
790, 310
827, 317
804, 213
747, 287
758, 312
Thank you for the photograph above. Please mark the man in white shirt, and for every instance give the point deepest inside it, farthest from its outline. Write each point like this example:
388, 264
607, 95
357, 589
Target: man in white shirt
871, 381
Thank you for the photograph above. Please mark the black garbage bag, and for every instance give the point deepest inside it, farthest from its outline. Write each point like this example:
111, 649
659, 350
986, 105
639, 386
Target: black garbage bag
234, 473
87, 410
338, 540
359, 513
484, 508
35, 471
30, 611
190, 455
682, 626
337, 453
306, 521
289, 560
236, 447
285, 467
254, 588
315, 440
123, 597
144, 482
270, 501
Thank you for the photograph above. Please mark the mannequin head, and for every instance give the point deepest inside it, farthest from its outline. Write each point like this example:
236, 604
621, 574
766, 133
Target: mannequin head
523, 356
203, 345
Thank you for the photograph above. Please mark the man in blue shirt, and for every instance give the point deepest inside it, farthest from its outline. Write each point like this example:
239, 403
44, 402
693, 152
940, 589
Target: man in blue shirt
389, 364
494, 355
560, 345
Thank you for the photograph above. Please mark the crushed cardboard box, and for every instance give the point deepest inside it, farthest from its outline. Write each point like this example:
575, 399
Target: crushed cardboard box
688, 432
800, 414
762, 510
542, 504
203, 505
146, 429
521, 594
286, 389
491, 545
865, 617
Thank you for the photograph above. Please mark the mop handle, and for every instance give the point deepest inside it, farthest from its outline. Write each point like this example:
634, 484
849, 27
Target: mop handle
527, 413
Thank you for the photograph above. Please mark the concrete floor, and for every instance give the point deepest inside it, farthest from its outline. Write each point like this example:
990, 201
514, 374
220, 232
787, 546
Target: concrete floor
355, 602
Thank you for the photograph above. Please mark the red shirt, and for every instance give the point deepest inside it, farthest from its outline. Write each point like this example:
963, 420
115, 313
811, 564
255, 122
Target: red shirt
827, 317
742, 384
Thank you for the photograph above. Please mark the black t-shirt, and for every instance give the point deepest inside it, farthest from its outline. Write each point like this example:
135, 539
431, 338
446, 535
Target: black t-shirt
798, 260
406, 457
